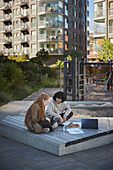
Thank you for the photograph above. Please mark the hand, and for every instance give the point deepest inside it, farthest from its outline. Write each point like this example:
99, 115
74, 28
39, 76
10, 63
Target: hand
61, 120
47, 119
56, 119
64, 119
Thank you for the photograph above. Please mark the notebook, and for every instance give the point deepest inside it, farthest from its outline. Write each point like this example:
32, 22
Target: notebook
89, 123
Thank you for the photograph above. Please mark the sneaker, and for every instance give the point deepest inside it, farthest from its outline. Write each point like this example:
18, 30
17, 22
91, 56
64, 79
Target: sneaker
46, 130
55, 125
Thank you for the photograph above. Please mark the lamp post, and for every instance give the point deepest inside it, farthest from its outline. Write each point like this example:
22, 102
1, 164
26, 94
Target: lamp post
60, 74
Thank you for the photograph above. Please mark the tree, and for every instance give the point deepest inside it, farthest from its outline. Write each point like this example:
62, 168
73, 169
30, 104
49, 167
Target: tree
41, 56
74, 53
18, 58
105, 52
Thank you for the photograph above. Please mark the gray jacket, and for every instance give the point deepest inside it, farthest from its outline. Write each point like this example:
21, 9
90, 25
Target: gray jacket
55, 109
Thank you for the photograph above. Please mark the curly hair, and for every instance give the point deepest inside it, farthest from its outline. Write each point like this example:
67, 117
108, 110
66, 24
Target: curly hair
59, 95
39, 101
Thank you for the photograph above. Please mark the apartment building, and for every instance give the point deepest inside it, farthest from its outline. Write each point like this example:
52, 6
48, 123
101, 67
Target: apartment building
103, 22
26, 26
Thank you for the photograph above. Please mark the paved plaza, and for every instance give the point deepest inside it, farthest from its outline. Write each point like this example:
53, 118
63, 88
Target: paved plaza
16, 156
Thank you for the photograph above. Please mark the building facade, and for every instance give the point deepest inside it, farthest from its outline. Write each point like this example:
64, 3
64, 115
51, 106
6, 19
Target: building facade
103, 22
26, 26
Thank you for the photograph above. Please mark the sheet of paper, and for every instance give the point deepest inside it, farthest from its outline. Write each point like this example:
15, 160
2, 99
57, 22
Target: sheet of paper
66, 123
74, 131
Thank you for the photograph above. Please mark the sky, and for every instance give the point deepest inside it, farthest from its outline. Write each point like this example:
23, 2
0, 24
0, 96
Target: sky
91, 13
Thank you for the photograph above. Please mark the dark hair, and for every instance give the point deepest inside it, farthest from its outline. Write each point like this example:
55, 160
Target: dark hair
59, 95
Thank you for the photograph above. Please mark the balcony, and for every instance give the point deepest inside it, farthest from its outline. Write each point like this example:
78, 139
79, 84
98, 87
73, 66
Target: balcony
96, 1
95, 48
57, 51
8, 51
99, 14
20, 2
110, 11
21, 26
5, 6
5, 17
49, 38
45, 9
99, 32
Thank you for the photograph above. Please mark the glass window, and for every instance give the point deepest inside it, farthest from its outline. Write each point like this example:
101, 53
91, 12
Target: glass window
33, 48
66, 10
75, 25
75, 13
33, 35
14, 12
41, 46
75, 2
33, 22
66, 23
33, 9
66, 1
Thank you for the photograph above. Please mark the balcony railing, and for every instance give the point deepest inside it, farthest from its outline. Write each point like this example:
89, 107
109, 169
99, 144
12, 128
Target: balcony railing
99, 13
44, 23
50, 37
111, 11
5, 40
5, 17
111, 29
96, 47
5, 29
21, 26
50, 9
20, 1
99, 31
55, 51
21, 14
8, 51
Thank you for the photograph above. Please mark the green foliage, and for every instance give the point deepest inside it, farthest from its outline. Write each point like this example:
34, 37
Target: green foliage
74, 53
49, 72
5, 96
18, 58
3, 59
105, 51
49, 82
41, 56
12, 75
4, 84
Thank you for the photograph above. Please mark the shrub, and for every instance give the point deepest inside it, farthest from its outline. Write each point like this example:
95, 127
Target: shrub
14, 75
5, 96
49, 82
50, 72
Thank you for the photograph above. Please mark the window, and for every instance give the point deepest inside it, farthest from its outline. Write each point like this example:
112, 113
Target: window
14, 12
41, 46
33, 35
75, 2
66, 10
66, 23
33, 48
75, 13
33, 9
75, 25
33, 22
66, 1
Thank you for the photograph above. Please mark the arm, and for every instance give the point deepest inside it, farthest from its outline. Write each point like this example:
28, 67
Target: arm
67, 109
50, 111
35, 113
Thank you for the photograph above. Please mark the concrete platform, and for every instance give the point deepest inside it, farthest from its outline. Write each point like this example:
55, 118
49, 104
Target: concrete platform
57, 142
